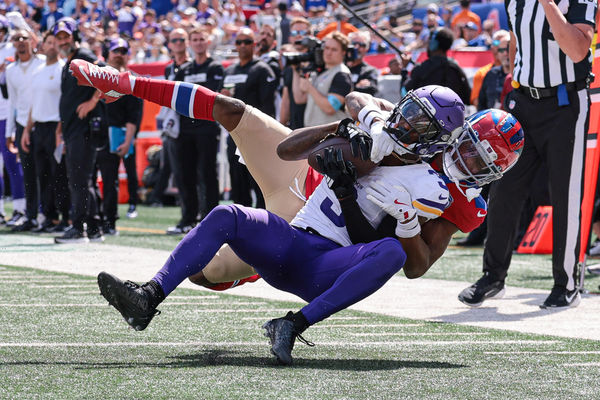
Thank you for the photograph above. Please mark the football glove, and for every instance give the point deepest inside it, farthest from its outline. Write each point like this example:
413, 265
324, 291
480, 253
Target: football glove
395, 201
360, 141
340, 174
383, 144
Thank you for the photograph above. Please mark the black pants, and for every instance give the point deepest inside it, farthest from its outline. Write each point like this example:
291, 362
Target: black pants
32, 197
43, 143
242, 183
108, 165
81, 158
164, 173
555, 135
62, 195
197, 159
132, 178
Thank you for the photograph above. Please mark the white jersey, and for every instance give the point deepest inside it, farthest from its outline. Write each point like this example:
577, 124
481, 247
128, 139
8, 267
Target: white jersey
322, 211
7, 55
46, 81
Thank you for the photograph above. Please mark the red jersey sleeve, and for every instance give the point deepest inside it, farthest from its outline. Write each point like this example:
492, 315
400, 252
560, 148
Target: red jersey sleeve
466, 215
313, 178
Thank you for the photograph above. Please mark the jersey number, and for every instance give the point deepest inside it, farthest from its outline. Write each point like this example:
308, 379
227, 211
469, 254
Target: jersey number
338, 220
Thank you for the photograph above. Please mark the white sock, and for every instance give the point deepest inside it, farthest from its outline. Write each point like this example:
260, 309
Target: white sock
19, 205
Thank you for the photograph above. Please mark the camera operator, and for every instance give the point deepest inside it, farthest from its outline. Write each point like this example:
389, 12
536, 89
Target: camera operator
324, 93
292, 113
364, 76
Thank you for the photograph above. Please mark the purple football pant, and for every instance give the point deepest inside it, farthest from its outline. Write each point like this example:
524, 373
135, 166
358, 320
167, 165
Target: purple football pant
13, 168
329, 277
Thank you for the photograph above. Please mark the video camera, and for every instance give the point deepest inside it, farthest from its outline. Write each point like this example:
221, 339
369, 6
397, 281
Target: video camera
313, 56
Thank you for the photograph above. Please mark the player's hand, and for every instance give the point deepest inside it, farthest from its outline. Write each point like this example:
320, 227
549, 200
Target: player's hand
360, 141
339, 173
383, 144
396, 201
25, 141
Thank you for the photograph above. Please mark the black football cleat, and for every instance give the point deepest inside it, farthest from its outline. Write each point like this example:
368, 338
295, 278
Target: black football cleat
133, 301
282, 335
485, 288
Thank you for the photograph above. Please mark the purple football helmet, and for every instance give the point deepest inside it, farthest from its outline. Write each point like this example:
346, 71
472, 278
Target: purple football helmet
424, 120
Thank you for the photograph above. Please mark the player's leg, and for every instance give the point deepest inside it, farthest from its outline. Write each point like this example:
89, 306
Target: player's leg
251, 232
336, 280
255, 133
191, 100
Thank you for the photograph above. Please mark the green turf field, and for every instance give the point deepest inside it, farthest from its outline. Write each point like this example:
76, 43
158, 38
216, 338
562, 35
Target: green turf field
59, 339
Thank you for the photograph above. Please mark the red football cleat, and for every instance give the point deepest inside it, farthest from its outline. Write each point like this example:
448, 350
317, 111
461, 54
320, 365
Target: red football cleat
228, 285
108, 80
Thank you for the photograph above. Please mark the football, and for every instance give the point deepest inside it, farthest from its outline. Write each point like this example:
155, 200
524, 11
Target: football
363, 167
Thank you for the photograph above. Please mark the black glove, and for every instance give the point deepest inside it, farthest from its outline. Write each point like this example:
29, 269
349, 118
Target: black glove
360, 141
340, 174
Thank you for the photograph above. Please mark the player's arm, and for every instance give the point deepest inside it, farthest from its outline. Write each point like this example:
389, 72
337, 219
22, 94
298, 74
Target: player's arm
356, 101
300, 141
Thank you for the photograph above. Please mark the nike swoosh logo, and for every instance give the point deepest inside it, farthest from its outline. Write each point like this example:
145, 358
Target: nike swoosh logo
270, 79
397, 202
442, 197
481, 214
570, 299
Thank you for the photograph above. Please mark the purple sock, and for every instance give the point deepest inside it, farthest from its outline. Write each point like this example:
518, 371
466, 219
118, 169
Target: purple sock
197, 248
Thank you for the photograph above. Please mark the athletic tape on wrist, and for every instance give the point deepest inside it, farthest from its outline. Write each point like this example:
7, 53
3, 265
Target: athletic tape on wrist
408, 229
367, 114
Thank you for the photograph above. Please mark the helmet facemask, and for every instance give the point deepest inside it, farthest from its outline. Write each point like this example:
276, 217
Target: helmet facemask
469, 162
414, 128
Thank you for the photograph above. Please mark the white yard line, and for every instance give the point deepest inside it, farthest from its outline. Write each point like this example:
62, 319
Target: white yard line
261, 343
541, 352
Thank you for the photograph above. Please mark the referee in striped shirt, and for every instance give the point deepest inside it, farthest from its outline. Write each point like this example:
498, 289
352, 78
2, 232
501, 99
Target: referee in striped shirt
551, 58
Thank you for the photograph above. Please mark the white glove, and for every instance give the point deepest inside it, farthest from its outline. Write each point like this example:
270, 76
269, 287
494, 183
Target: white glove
396, 201
383, 144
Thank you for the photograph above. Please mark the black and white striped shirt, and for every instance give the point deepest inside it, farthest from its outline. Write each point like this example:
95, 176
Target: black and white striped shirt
539, 62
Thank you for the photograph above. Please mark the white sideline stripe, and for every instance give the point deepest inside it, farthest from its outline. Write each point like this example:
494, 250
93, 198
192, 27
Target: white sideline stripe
262, 343
39, 282
542, 352
63, 286
182, 303
86, 292
590, 364
210, 303
193, 297
366, 325
328, 319
420, 334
